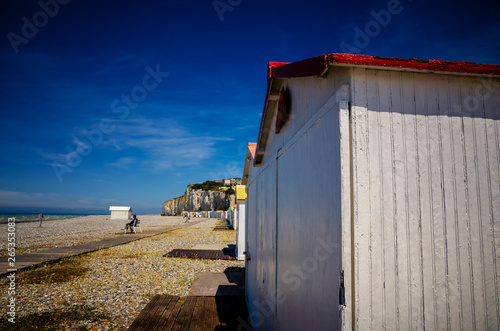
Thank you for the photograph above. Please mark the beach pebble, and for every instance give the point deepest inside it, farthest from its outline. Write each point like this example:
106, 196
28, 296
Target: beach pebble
121, 279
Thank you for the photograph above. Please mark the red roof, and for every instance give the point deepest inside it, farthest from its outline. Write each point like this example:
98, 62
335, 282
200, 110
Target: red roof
251, 148
317, 66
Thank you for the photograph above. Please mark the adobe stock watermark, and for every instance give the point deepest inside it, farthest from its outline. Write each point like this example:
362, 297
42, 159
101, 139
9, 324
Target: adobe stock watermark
48, 9
233, 168
381, 19
293, 278
472, 103
95, 136
223, 6
11, 260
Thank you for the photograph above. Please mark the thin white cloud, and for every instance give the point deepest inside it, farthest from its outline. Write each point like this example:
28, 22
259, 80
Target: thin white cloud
123, 162
166, 145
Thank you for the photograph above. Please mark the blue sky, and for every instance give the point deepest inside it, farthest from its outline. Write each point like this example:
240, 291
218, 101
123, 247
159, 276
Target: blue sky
126, 102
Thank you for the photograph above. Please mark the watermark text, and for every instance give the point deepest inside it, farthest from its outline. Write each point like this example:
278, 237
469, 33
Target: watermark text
11, 252
30, 28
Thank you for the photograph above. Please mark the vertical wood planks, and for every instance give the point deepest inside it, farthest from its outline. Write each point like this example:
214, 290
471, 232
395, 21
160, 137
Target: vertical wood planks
376, 217
387, 203
457, 227
426, 188
492, 116
400, 198
473, 202
361, 199
345, 156
412, 226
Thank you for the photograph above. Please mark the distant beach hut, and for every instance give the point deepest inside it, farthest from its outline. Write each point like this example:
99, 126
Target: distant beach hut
120, 213
241, 196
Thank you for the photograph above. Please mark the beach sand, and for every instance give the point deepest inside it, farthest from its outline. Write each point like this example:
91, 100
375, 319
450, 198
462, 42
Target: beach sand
30, 237
120, 280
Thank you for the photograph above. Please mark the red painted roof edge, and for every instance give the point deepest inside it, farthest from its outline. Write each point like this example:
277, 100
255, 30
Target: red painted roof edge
426, 65
252, 147
317, 66
313, 67
271, 65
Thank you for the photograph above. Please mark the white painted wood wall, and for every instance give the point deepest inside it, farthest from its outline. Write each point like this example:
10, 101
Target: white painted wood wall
404, 181
241, 228
120, 215
426, 201
294, 218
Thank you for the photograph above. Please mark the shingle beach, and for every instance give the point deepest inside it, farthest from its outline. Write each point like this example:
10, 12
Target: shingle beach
120, 280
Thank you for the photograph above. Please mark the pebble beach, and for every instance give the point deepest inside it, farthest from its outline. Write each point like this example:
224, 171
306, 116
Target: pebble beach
120, 280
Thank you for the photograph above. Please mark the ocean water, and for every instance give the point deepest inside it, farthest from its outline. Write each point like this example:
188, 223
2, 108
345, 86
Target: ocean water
34, 217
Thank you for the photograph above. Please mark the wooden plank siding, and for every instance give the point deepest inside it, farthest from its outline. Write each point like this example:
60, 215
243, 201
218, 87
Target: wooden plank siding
398, 171
426, 201
167, 312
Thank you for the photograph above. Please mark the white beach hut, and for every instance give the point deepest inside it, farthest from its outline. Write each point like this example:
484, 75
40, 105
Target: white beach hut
120, 213
374, 196
241, 196
240, 224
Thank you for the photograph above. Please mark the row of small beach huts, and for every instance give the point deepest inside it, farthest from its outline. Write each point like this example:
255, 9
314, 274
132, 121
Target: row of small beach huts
372, 197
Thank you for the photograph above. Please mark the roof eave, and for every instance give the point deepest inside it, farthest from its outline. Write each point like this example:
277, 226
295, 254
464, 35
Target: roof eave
436, 66
277, 72
249, 158
318, 66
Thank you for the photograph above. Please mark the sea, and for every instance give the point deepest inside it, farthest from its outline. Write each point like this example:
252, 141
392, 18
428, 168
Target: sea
34, 217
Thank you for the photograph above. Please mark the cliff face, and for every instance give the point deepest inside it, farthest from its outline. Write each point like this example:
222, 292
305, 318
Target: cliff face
193, 200
174, 206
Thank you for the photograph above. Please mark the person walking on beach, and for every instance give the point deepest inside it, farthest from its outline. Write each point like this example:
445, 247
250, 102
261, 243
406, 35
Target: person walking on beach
40, 218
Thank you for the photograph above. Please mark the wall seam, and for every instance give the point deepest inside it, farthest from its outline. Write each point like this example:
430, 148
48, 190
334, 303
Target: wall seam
480, 218
443, 210
405, 153
455, 214
395, 208
497, 145
351, 176
431, 211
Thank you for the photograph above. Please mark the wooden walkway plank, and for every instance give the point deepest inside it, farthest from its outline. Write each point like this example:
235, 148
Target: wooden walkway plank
184, 319
193, 313
242, 318
202, 317
155, 313
226, 310
137, 322
169, 316
197, 317
211, 320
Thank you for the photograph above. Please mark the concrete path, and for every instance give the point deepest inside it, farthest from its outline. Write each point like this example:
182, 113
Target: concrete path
228, 283
26, 260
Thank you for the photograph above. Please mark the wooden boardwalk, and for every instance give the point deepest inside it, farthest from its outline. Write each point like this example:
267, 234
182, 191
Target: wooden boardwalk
29, 259
225, 254
167, 312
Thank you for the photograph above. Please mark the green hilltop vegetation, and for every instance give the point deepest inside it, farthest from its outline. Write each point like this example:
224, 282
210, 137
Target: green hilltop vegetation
212, 186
